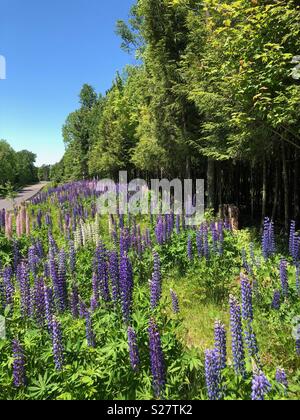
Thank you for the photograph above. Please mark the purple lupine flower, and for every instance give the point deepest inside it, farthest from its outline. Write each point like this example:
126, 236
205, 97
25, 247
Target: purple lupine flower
237, 337
54, 275
260, 387
205, 241
2, 295
155, 284
175, 303
272, 238
48, 220
251, 341
213, 375
32, 260
265, 239
102, 271
90, 336
276, 300
221, 344
133, 349
57, 345
96, 288
199, 243
124, 242
190, 248
114, 273
268, 239
8, 286
24, 282
52, 244
126, 286
39, 219
214, 234
39, 301
178, 224
159, 231
246, 265
62, 281
227, 225
247, 304
171, 224
19, 376
292, 238
165, 231
156, 360
296, 250
94, 304
49, 306
82, 308
46, 270
39, 249
284, 278
168, 226
281, 377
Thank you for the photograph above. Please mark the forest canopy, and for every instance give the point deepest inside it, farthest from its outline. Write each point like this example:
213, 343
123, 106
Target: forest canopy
17, 168
214, 94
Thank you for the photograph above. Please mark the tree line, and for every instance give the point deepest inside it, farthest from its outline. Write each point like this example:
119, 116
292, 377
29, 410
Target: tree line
16, 168
214, 94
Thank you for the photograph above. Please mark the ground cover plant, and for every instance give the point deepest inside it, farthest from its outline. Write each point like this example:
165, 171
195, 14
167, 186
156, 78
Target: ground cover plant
144, 307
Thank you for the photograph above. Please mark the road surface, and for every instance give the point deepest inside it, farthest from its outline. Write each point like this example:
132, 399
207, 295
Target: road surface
25, 194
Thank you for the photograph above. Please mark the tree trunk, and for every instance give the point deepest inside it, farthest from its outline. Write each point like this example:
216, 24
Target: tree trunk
296, 187
264, 189
276, 186
252, 192
285, 189
210, 184
188, 168
220, 184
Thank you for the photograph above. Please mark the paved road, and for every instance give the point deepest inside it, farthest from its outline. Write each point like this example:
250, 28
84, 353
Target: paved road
24, 195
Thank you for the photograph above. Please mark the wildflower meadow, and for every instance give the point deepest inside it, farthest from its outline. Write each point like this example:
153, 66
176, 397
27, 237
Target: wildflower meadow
144, 307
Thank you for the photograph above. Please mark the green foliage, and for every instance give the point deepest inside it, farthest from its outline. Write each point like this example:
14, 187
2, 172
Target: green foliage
44, 173
213, 82
17, 168
26, 171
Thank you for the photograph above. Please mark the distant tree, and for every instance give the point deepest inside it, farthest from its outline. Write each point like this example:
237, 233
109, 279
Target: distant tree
88, 96
79, 132
44, 172
57, 172
26, 172
9, 192
7, 163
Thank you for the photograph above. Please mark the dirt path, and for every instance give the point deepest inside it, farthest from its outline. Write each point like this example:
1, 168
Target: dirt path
23, 195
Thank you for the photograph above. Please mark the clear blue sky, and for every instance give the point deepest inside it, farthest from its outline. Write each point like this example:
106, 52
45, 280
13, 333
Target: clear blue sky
52, 48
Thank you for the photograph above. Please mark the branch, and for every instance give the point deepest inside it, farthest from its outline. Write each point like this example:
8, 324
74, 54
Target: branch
285, 139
